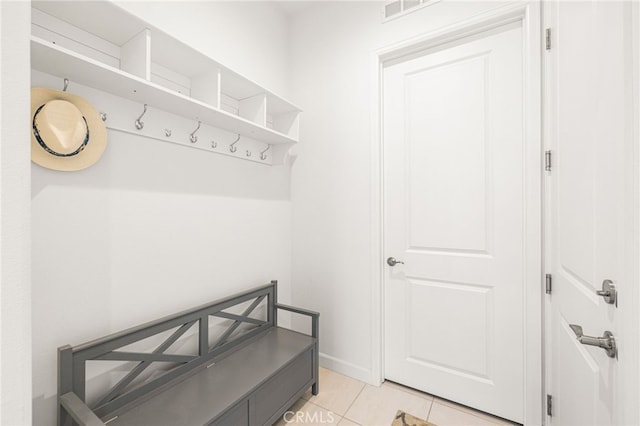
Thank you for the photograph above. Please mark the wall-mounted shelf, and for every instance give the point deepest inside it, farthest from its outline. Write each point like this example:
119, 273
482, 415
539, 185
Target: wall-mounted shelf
144, 65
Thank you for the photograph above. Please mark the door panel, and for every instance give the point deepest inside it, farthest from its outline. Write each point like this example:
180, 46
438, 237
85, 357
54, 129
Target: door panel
424, 299
575, 385
438, 148
454, 185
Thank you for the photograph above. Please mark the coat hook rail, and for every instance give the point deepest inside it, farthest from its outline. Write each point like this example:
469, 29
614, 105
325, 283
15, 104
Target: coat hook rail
232, 148
66, 85
139, 123
192, 137
263, 154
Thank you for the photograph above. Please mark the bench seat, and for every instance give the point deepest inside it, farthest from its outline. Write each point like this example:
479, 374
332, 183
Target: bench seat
226, 387
235, 367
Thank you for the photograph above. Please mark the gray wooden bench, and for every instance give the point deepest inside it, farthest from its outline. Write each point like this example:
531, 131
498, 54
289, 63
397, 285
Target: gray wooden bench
250, 373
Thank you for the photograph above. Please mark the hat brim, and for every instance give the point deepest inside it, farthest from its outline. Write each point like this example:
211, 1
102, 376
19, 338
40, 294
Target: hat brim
97, 133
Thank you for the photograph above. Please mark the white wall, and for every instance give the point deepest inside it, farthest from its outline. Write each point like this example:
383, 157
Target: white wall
15, 301
332, 46
155, 228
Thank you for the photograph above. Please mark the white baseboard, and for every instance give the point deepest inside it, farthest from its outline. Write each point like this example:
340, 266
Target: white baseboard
348, 369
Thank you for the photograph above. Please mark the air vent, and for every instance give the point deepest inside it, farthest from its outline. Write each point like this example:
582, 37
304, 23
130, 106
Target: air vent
408, 4
392, 8
397, 8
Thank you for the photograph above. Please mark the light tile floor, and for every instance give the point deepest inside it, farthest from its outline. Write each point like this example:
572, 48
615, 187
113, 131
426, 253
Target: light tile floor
345, 401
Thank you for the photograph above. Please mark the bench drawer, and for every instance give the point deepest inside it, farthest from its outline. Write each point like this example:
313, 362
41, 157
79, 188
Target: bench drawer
273, 395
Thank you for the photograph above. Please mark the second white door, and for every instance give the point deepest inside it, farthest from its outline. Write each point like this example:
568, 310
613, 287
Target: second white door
454, 208
591, 212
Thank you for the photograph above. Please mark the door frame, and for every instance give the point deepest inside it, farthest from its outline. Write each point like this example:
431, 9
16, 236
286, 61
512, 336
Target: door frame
528, 14
633, 317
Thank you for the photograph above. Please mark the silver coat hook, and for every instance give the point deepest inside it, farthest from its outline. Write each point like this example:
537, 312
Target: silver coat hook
140, 124
192, 137
66, 85
232, 148
214, 144
103, 116
263, 154
248, 153
167, 132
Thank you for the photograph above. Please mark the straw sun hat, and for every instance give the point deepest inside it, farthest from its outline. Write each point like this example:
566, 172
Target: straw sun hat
67, 132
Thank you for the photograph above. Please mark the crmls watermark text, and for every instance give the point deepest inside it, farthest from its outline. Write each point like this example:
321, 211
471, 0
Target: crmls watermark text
302, 417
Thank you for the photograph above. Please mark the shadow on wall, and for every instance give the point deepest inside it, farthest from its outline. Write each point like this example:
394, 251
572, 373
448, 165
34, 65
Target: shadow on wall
137, 163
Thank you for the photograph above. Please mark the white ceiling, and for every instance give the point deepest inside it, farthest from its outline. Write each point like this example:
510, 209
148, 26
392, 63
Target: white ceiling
292, 7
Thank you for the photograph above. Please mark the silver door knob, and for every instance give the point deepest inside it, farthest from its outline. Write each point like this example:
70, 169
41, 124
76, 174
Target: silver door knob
606, 342
608, 292
393, 262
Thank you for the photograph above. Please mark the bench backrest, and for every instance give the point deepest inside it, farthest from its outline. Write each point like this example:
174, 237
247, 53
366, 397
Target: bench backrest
72, 360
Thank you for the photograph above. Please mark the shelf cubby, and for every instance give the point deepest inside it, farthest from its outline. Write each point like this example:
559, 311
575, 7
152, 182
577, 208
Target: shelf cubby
135, 55
283, 117
254, 109
99, 45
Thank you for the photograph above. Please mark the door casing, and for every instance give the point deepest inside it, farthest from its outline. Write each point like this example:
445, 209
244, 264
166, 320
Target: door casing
633, 317
528, 14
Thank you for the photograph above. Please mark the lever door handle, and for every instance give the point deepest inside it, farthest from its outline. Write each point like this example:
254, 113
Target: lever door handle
606, 342
393, 262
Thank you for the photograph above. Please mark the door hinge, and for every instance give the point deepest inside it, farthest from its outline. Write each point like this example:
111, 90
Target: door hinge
548, 282
547, 161
549, 405
547, 38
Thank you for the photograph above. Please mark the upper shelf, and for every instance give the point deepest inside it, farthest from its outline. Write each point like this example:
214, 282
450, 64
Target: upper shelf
56, 60
136, 63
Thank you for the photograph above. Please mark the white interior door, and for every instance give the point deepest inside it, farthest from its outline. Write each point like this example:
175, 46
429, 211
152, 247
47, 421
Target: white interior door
588, 90
453, 213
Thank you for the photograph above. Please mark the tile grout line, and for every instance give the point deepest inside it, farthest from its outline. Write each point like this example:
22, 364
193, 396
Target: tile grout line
413, 392
433, 401
313, 402
326, 409
472, 412
406, 389
364, 385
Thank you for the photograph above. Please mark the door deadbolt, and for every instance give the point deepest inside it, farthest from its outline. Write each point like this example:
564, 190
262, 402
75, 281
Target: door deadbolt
608, 292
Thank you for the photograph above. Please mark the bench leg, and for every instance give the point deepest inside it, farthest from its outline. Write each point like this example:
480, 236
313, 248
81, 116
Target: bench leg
315, 388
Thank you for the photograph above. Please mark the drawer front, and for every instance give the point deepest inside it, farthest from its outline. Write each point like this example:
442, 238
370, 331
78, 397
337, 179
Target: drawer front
279, 389
237, 416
